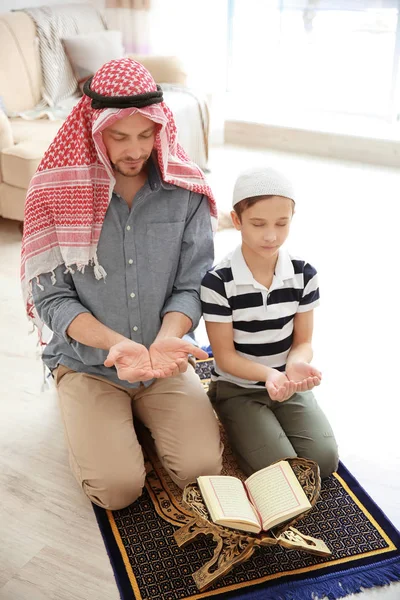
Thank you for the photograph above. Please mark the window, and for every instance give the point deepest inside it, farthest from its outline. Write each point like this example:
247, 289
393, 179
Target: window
337, 56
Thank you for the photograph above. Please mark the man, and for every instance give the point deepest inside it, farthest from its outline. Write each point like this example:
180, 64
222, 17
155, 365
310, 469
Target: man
117, 237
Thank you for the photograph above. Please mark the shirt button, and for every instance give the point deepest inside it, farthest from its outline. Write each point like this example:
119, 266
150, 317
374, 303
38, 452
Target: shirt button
135, 328
128, 227
130, 261
133, 295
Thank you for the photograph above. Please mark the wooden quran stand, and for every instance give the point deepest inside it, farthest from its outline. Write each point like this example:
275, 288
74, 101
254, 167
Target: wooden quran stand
235, 547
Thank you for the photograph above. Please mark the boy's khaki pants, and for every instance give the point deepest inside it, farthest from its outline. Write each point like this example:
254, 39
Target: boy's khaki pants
105, 455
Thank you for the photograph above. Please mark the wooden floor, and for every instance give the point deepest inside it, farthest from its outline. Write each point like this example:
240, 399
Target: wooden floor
50, 545
347, 225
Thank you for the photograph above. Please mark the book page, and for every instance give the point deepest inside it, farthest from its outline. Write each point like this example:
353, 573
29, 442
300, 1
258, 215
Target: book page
226, 498
276, 493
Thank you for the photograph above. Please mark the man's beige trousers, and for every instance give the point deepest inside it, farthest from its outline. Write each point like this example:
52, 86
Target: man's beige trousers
105, 455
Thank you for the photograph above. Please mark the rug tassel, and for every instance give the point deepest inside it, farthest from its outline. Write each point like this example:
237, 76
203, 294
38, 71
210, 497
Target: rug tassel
336, 585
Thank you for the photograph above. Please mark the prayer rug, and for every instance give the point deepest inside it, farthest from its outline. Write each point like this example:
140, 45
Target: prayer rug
148, 564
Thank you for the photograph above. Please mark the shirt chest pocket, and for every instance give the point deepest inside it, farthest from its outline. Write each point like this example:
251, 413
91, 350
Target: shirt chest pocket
163, 241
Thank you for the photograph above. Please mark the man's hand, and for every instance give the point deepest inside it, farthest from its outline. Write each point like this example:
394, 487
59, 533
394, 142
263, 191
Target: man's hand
170, 355
167, 357
279, 387
132, 362
304, 375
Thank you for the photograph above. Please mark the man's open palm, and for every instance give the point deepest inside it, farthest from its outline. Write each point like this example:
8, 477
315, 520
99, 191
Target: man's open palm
167, 357
170, 355
132, 362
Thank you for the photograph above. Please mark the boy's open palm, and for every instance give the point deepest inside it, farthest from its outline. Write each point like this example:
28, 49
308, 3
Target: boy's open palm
304, 374
278, 386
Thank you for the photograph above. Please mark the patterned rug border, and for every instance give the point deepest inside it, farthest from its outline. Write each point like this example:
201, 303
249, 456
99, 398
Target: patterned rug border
354, 570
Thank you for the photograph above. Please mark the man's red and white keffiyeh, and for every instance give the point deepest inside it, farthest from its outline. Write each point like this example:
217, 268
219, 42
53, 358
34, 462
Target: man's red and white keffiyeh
69, 195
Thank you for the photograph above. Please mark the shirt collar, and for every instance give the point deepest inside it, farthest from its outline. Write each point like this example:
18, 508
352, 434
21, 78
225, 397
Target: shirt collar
243, 276
240, 271
284, 266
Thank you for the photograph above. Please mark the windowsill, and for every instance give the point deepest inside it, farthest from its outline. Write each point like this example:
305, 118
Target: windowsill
310, 120
346, 137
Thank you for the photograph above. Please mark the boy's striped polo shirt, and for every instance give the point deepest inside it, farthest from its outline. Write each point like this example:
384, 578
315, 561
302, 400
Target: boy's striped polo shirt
262, 318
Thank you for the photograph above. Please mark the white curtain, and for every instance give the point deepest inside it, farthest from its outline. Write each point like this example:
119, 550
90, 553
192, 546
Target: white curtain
195, 32
134, 4
132, 17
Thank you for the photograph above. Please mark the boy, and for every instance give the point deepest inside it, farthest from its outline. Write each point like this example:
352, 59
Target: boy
258, 307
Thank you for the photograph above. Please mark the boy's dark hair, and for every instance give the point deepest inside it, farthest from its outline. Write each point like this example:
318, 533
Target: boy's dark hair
241, 206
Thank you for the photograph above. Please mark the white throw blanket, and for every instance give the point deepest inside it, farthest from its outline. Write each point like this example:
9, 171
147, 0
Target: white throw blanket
53, 23
192, 120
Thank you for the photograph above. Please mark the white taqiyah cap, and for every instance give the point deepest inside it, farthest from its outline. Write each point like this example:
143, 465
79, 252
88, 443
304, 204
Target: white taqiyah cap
261, 181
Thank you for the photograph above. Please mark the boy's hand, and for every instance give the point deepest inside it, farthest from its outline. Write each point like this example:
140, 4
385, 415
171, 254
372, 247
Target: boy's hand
304, 375
279, 387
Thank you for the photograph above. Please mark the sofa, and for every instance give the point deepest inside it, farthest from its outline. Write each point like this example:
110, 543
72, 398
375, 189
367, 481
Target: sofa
23, 142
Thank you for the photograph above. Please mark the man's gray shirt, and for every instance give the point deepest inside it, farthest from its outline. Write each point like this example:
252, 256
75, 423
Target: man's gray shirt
155, 255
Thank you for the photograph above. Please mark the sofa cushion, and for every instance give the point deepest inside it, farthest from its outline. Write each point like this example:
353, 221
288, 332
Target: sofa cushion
12, 202
6, 134
19, 163
163, 69
42, 129
89, 51
20, 72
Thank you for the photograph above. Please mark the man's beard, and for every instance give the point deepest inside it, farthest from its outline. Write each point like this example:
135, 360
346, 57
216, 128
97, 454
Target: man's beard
130, 171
